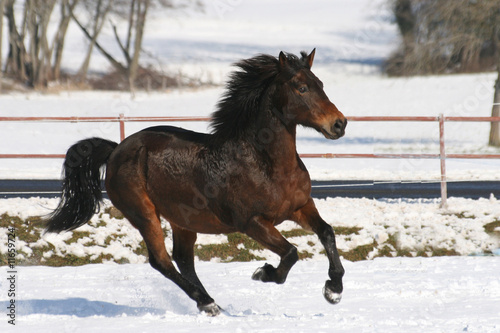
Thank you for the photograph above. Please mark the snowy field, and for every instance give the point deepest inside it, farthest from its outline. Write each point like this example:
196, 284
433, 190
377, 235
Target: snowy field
438, 294
449, 294
421, 294
380, 228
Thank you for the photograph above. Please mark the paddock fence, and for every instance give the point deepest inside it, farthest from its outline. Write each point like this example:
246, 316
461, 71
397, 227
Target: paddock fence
441, 120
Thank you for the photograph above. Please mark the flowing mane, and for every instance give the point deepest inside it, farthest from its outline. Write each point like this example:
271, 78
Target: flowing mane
242, 101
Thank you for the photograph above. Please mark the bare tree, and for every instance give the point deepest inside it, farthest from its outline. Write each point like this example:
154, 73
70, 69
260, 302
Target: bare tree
40, 53
17, 53
98, 11
449, 36
475, 26
66, 8
495, 112
136, 23
135, 13
445, 36
32, 57
2, 6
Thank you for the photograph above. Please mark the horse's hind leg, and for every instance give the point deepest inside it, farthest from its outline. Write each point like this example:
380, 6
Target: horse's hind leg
309, 218
145, 219
183, 254
264, 232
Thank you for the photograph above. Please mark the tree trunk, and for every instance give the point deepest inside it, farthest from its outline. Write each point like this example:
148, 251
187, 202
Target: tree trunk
17, 53
495, 112
99, 20
142, 9
34, 44
66, 9
405, 20
2, 3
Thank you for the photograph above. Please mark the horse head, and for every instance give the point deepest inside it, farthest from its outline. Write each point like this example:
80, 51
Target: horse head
302, 99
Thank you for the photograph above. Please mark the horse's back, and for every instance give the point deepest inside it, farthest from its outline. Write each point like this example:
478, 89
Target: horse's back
177, 132
161, 146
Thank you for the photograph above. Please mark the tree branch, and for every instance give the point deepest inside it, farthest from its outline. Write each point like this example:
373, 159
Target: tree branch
115, 63
124, 50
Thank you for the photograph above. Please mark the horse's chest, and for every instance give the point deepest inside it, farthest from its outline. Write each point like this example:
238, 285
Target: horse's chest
289, 195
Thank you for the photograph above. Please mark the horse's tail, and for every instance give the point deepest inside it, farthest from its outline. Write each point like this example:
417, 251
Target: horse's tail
81, 189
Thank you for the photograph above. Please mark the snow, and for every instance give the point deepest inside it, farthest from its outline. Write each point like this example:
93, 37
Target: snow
414, 226
448, 294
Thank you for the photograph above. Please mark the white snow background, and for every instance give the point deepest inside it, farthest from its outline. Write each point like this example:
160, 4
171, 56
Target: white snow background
449, 294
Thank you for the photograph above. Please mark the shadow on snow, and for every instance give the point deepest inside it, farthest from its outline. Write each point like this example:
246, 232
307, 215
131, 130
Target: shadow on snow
79, 307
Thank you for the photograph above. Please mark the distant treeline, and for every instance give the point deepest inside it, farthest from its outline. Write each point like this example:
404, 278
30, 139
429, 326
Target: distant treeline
446, 36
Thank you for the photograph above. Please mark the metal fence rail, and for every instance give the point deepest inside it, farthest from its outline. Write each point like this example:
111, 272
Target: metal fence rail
122, 119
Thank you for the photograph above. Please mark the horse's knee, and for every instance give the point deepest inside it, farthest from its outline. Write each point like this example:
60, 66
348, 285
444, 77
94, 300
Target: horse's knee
326, 231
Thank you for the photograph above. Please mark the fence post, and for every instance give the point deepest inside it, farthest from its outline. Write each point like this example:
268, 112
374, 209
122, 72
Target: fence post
442, 158
122, 127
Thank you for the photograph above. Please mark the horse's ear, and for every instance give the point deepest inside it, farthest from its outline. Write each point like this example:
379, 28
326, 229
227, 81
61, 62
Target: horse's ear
283, 60
310, 58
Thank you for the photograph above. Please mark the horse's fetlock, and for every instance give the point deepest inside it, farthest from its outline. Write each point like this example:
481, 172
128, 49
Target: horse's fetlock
336, 273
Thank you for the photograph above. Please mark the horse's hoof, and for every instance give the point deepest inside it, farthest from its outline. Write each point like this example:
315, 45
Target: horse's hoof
258, 274
263, 273
330, 296
211, 309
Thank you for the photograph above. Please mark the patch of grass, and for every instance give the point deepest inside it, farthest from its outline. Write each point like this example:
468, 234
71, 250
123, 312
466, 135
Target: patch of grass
347, 230
439, 252
463, 215
72, 260
28, 231
305, 255
490, 227
226, 252
359, 253
78, 235
296, 233
236, 249
114, 213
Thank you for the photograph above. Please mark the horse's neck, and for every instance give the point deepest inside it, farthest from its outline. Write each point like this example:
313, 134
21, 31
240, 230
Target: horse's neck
278, 140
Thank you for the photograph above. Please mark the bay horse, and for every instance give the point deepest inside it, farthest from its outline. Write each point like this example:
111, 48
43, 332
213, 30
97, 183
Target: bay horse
244, 176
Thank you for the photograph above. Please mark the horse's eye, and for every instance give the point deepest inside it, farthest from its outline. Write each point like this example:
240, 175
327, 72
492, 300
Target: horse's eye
302, 90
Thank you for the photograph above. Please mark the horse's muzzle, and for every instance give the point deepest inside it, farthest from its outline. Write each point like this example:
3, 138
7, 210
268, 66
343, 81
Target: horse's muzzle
335, 131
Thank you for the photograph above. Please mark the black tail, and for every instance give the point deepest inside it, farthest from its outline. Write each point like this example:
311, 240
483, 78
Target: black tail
81, 191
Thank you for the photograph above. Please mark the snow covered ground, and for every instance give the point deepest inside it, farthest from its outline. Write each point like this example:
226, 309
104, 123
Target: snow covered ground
384, 228
449, 294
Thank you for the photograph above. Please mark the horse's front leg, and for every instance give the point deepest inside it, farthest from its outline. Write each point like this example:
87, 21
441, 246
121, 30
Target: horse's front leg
264, 232
309, 218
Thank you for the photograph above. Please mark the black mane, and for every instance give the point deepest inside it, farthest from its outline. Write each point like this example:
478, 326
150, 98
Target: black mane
242, 101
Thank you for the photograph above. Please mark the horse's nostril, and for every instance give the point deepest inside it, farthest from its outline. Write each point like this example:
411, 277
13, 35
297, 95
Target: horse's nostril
339, 127
340, 124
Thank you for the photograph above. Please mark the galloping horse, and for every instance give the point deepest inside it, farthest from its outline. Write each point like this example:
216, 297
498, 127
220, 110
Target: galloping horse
245, 176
